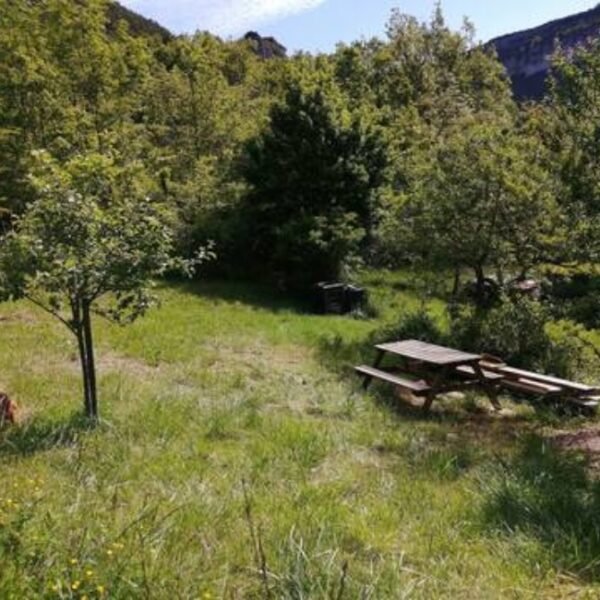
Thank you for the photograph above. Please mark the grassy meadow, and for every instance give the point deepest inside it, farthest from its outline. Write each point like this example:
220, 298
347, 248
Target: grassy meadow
239, 458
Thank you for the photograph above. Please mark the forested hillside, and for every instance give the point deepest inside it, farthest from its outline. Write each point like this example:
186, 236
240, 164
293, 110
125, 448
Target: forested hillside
367, 154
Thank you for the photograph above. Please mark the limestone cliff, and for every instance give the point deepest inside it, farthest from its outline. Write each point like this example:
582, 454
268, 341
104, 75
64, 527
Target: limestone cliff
526, 54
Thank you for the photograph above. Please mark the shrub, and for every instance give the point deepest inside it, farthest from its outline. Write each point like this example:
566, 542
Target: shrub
418, 325
513, 329
520, 331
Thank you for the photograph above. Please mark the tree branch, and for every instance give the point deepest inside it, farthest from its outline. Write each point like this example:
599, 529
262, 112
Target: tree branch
50, 312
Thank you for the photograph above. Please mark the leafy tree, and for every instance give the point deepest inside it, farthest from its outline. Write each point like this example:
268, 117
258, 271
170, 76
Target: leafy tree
486, 202
314, 175
571, 130
89, 244
66, 86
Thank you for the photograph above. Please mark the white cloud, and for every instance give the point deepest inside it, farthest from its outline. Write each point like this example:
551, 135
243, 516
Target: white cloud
223, 17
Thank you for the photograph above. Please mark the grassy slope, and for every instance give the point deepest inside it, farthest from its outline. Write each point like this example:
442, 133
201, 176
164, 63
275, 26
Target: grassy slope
225, 424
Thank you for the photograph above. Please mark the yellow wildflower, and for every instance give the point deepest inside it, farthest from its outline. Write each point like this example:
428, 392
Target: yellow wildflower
75, 585
74, 561
89, 573
100, 589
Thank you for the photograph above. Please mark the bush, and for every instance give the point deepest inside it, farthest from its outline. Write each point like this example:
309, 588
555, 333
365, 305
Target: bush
418, 325
586, 310
572, 351
520, 331
513, 329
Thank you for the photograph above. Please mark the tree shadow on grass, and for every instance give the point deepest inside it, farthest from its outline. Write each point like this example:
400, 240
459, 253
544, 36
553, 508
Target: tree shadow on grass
42, 434
251, 294
548, 495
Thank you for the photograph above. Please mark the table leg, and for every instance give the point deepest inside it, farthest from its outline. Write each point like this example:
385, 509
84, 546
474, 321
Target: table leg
378, 359
428, 402
431, 395
489, 388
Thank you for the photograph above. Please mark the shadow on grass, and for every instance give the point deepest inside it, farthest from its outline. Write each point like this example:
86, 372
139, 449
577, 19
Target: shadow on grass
546, 494
41, 435
251, 294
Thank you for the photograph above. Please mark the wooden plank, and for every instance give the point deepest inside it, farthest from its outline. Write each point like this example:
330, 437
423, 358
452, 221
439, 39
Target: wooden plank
519, 374
586, 403
531, 387
429, 353
417, 387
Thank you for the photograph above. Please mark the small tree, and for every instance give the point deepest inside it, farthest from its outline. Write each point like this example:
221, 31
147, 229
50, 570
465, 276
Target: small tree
87, 245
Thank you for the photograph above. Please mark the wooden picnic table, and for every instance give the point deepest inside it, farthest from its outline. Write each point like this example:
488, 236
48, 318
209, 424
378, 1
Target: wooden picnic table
441, 370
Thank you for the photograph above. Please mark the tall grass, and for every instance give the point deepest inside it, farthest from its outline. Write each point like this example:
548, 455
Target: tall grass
234, 462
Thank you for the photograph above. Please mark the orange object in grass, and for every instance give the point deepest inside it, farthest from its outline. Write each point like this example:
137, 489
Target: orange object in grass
8, 410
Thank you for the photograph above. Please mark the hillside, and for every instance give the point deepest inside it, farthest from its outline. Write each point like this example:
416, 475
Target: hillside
138, 24
526, 54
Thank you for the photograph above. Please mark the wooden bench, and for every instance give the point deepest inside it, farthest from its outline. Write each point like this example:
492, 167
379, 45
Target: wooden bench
418, 388
489, 375
528, 386
553, 384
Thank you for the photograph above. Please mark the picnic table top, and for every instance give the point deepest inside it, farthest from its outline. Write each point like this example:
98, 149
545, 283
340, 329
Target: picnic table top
429, 353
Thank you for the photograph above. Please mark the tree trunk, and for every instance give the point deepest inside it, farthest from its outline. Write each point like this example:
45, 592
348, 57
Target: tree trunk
83, 361
480, 284
78, 330
90, 362
456, 286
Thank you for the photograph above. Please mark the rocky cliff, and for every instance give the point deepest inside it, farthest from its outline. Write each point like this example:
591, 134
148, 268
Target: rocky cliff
138, 25
265, 47
526, 54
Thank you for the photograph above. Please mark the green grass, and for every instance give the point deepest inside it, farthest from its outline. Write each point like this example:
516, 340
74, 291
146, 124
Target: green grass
240, 459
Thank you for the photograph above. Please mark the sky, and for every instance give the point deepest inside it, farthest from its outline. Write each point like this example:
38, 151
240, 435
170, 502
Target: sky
318, 25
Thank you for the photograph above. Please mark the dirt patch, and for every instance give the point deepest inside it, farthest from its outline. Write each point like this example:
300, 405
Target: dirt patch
258, 356
19, 317
109, 362
583, 440
338, 466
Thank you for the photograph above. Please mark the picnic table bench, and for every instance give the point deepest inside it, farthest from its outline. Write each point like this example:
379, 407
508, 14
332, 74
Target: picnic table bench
520, 380
428, 370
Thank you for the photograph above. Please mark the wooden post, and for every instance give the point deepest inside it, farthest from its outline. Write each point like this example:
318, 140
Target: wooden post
378, 359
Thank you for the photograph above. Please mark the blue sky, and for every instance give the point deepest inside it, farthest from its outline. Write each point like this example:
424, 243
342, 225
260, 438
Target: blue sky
317, 25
